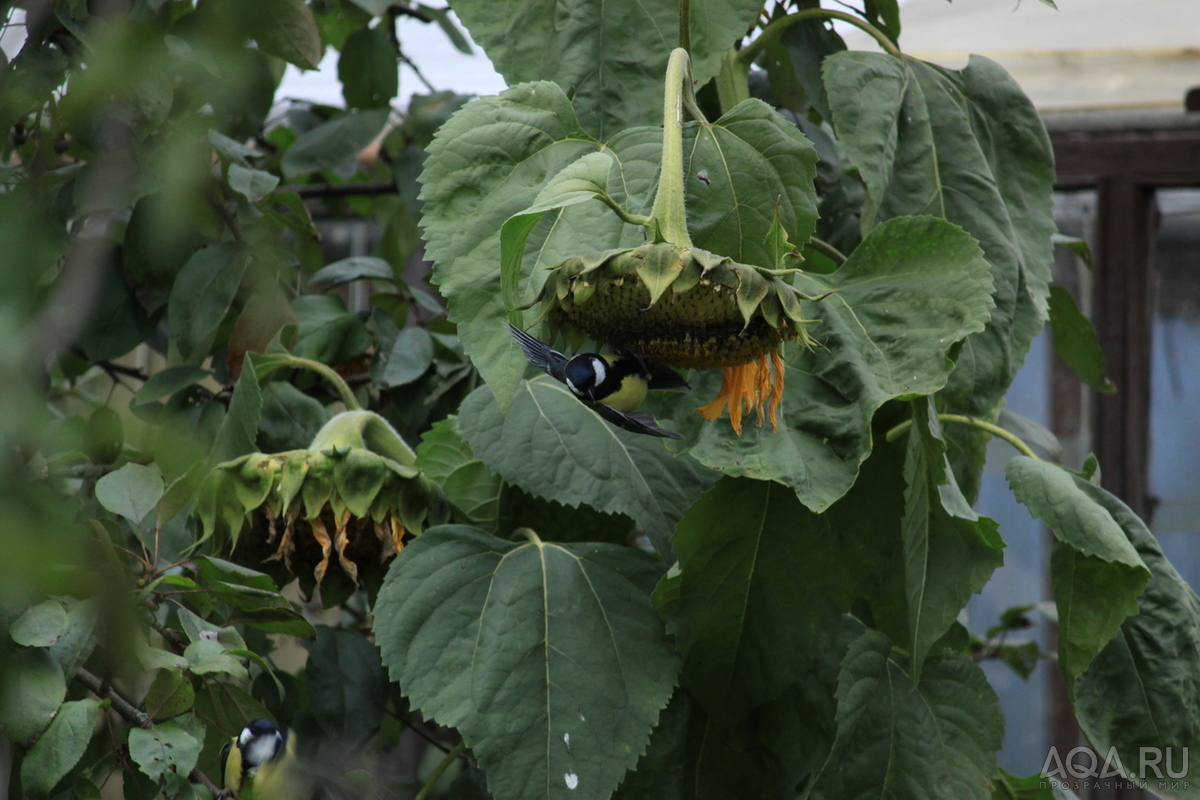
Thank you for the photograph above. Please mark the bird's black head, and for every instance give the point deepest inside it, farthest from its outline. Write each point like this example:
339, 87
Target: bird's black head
260, 741
584, 373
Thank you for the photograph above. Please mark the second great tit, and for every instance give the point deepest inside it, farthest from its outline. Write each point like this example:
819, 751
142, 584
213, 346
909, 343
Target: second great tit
256, 763
611, 385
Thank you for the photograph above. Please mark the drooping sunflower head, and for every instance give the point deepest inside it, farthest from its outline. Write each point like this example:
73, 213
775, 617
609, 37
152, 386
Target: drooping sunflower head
332, 518
685, 307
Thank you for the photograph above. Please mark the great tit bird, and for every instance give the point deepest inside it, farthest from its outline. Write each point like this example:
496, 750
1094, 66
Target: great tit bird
259, 759
611, 385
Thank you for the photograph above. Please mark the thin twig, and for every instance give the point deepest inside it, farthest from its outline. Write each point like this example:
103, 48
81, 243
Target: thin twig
409, 11
417, 71
312, 190
228, 218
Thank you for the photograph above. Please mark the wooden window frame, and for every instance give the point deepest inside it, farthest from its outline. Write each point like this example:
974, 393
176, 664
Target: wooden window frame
1125, 158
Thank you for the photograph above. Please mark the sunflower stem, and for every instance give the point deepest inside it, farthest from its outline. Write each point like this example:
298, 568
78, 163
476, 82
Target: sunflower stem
531, 535
995, 430
366, 430
826, 249
775, 29
326, 372
440, 770
669, 212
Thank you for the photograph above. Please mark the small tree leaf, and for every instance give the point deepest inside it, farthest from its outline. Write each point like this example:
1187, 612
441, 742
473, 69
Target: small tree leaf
239, 428
353, 269
333, 144
169, 381
553, 446
165, 748
169, 695
200, 296
253, 184
368, 69
1096, 573
1075, 342
1078, 246
410, 358
132, 491
286, 28
72, 649
549, 659
230, 149
32, 690
59, 749
40, 625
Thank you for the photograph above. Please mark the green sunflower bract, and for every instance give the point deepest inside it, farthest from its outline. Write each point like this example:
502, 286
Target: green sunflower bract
337, 511
676, 305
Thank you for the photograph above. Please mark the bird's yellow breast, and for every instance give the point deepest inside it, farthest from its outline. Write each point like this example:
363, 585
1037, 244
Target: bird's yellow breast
631, 395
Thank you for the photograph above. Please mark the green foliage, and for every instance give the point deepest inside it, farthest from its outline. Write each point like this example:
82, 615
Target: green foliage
203, 424
562, 670
871, 352
1096, 572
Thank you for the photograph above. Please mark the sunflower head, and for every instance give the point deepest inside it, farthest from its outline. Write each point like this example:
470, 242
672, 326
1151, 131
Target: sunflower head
332, 518
685, 307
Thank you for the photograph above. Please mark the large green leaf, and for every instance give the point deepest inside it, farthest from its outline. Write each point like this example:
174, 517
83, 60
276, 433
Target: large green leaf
553, 446
444, 456
492, 160
763, 578
935, 739
1075, 341
347, 689
950, 552
549, 659
1096, 573
968, 146
1143, 689
743, 169
611, 56
915, 287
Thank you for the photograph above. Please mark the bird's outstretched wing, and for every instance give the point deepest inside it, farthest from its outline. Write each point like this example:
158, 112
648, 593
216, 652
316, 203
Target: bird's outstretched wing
665, 379
541, 355
635, 421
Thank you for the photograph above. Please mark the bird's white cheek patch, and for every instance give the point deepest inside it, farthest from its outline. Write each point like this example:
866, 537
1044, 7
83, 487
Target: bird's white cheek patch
601, 370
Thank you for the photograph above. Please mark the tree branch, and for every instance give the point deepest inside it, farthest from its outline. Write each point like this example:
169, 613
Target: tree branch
134, 716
